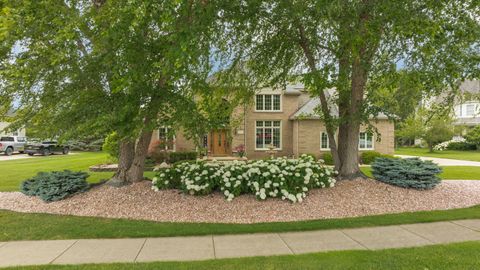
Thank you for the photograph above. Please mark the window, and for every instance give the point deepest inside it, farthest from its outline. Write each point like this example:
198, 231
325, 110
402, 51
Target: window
15, 133
166, 138
366, 141
268, 103
7, 139
267, 133
470, 110
324, 143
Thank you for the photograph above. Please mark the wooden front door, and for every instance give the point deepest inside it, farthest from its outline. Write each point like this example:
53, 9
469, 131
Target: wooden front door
219, 142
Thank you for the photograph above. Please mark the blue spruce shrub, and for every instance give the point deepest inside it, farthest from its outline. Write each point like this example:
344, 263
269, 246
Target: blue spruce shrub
55, 186
407, 173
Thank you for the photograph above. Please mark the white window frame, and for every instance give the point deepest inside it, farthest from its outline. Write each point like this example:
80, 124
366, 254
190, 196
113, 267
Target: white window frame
174, 139
373, 141
328, 141
264, 146
272, 110
467, 106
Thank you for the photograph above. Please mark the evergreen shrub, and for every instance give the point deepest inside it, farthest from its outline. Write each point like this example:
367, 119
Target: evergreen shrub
55, 186
407, 173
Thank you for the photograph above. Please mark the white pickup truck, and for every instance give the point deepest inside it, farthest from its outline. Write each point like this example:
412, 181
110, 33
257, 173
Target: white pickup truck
11, 144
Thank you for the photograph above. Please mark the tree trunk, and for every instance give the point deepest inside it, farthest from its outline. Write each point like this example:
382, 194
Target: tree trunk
350, 169
125, 160
135, 172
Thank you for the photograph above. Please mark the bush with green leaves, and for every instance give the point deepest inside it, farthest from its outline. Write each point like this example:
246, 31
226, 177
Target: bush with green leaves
289, 179
473, 136
55, 186
407, 173
327, 158
160, 156
111, 145
368, 157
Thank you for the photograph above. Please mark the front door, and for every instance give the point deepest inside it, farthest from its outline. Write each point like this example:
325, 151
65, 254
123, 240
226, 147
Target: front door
219, 142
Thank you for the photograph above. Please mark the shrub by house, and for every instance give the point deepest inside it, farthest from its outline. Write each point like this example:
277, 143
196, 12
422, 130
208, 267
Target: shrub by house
289, 179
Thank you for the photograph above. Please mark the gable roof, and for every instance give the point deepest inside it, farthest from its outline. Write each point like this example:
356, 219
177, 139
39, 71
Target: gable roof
308, 111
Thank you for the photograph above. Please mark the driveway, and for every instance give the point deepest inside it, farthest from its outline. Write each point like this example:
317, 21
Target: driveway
446, 161
13, 157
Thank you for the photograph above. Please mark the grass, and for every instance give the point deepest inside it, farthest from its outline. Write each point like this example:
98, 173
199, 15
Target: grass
450, 154
452, 256
449, 172
13, 172
18, 226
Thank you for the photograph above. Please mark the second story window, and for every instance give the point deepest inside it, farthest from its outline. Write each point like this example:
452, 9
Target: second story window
268, 103
470, 109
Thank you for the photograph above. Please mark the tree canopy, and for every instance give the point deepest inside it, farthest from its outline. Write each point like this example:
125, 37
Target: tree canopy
359, 48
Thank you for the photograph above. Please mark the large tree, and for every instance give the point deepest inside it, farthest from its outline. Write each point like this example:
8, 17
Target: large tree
357, 47
75, 67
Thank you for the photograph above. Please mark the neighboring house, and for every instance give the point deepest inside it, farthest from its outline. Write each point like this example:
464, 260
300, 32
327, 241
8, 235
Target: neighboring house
467, 109
285, 118
3, 125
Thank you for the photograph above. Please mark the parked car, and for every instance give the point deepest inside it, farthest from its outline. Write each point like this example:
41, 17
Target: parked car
46, 148
11, 144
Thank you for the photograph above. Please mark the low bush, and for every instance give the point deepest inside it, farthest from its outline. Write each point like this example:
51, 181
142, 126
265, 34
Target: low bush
327, 158
175, 157
368, 157
462, 146
289, 179
407, 173
54, 186
159, 155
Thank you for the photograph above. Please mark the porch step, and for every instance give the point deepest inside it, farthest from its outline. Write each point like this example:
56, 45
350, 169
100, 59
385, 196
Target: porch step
223, 158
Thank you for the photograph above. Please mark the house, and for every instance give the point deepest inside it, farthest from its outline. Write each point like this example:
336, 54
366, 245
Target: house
284, 118
467, 108
4, 124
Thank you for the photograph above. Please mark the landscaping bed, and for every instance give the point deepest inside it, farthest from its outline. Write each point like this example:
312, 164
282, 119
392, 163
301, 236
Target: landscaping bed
346, 199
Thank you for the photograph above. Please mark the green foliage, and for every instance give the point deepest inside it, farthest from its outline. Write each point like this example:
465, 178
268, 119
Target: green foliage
407, 173
289, 179
111, 145
368, 157
160, 156
462, 146
432, 126
473, 136
175, 157
86, 145
56, 185
327, 158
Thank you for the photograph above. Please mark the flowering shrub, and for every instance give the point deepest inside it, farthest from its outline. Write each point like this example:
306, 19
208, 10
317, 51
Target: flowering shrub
444, 145
289, 179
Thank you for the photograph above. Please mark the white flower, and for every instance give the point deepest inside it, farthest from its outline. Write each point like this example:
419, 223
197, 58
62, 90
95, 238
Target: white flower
263, 196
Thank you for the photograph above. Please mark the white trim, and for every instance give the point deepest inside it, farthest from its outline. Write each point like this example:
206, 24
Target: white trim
268, 94
328, 141
373, 141
174, 138
281, 135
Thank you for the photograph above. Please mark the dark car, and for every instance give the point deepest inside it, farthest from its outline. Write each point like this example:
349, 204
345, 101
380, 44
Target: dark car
46, 148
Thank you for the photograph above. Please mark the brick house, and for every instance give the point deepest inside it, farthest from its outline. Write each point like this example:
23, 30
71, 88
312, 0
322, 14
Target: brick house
283, 117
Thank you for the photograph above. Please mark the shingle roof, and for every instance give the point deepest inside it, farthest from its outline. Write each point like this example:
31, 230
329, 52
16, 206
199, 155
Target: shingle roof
308, 111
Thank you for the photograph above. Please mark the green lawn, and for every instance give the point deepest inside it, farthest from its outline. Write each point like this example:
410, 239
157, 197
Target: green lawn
18, 226
451, 154
13, 172
449, 172
452, 256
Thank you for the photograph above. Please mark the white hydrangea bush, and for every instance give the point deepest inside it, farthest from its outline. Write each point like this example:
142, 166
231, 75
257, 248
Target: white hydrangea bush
444, 145
288, 179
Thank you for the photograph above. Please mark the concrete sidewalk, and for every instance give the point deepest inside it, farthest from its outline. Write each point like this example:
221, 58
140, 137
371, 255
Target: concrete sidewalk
446, 161
232, 246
